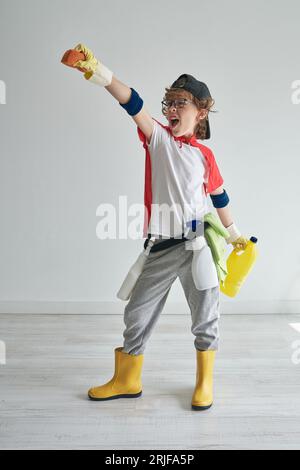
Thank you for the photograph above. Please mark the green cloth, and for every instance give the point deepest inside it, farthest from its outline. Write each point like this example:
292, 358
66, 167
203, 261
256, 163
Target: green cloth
215, 234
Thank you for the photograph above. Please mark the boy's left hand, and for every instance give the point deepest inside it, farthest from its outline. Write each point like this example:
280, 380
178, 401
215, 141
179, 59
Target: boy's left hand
240, 243
236, 238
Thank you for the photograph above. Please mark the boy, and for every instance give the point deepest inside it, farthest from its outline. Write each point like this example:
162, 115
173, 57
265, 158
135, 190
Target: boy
180, 172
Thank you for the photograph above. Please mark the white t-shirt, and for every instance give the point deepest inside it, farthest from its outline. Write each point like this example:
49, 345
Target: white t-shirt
178, 173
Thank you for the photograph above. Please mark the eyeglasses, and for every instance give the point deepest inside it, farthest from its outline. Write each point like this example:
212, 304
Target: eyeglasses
181, 103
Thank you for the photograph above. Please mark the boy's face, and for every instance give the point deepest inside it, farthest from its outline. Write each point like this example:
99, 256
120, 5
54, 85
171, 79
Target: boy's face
187, 114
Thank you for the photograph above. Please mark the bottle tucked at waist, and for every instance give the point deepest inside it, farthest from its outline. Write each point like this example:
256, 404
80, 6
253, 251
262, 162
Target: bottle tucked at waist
134, 273
239, 264
204, 271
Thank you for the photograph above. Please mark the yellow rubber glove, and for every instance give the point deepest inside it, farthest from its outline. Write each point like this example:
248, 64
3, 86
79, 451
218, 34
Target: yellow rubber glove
240, 243
94, 70
90, 64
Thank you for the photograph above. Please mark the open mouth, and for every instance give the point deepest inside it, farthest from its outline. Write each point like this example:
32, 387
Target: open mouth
174, 123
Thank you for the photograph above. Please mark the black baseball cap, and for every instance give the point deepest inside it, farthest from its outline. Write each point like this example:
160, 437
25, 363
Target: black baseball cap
198, 89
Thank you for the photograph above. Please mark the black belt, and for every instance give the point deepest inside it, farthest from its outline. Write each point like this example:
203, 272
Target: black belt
165, 244
171, 241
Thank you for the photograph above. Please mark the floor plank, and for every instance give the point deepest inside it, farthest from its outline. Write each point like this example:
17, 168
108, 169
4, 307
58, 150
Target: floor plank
52, 360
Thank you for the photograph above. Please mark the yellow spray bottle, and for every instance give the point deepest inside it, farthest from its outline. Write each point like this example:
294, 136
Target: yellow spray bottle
239, 264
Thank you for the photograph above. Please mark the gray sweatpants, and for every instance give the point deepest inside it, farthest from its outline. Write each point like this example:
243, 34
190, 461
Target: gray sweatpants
150, 293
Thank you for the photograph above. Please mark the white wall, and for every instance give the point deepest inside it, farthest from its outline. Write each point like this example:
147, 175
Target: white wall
67, 146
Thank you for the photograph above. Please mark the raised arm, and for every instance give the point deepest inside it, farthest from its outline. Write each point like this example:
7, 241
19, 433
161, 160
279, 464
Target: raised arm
123, 94
96, 72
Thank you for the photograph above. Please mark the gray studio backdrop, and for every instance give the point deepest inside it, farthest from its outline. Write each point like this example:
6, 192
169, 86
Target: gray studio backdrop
68, 147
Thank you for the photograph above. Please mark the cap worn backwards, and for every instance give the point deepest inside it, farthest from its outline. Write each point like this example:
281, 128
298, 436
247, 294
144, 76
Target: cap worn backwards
197, 89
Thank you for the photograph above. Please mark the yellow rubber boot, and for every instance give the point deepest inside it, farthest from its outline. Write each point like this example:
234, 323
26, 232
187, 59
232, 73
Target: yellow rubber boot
126, 382
203, 393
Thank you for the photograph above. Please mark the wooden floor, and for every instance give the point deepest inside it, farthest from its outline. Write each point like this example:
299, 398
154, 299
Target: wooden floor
52, 360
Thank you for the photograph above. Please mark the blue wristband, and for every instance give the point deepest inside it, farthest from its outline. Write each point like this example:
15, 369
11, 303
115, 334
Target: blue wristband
220, 200
134, 105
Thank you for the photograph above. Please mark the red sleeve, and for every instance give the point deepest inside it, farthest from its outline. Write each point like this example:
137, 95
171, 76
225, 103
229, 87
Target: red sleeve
214, 179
